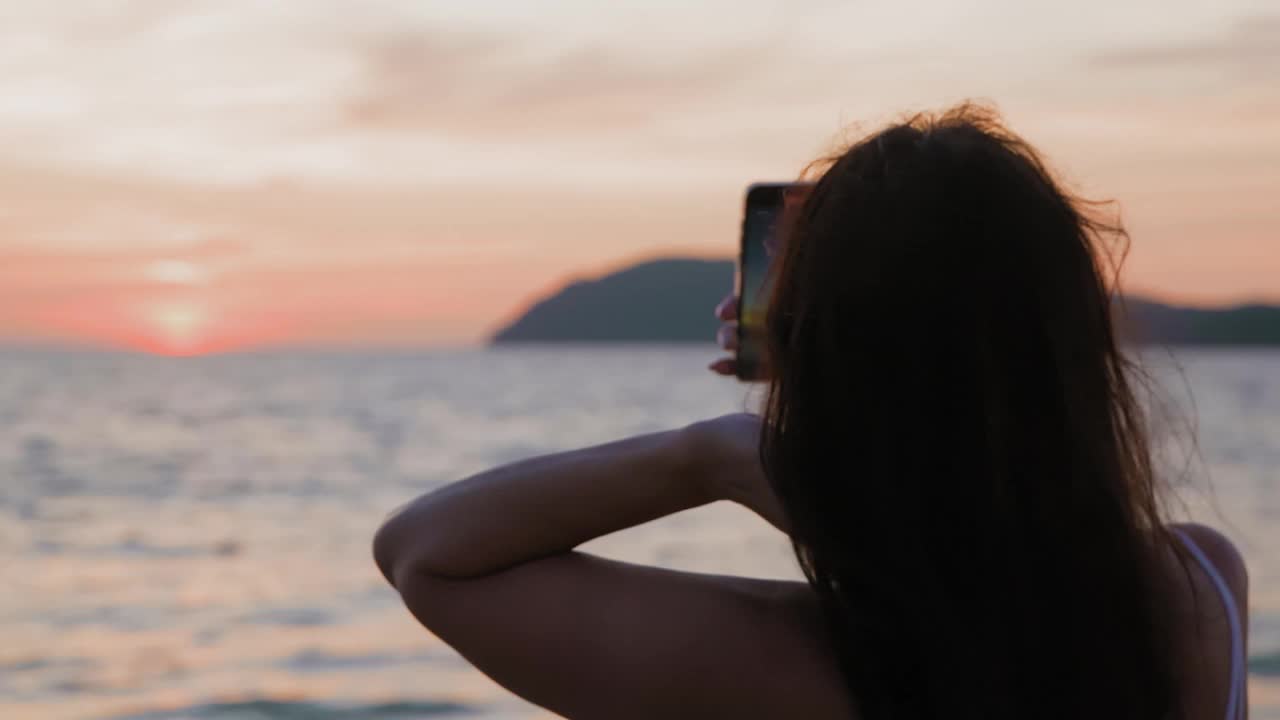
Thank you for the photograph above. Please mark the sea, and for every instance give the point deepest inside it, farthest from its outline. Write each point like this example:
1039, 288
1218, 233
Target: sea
188, 538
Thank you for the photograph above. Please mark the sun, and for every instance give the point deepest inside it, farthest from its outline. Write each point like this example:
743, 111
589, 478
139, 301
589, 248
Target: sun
178, 327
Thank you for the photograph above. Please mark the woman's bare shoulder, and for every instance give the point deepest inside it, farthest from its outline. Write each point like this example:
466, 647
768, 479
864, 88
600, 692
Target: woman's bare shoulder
1202, 622
1221, 552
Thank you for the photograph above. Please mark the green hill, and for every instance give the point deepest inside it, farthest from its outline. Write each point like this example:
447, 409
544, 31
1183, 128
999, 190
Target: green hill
671, 300
659, 301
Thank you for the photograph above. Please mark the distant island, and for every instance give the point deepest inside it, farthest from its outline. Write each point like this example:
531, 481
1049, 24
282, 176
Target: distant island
668, 300
671, 300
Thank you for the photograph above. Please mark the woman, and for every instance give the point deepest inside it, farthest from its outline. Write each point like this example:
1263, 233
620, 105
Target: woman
953, 444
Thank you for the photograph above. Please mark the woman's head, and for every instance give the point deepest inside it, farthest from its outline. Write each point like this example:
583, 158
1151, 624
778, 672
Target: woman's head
952, 432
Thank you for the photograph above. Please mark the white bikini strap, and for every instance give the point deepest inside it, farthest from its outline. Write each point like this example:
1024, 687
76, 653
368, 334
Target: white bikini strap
1235, 708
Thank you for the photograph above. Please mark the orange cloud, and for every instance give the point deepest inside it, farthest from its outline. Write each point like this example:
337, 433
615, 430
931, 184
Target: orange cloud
1249, 51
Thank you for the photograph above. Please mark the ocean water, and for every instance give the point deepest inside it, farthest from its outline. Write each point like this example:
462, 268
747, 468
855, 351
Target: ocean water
190, 538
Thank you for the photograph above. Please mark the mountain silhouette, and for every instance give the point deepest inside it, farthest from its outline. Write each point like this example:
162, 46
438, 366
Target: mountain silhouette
1243, 325
670, 300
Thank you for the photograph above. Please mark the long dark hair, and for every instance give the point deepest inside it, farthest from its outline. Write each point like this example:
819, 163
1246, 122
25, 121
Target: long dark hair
952, 429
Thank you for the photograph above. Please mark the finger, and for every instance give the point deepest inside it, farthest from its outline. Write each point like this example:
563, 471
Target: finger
727, 336
724, 366
728, 308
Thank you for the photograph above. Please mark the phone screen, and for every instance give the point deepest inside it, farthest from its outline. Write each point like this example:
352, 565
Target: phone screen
760, 227
759, 223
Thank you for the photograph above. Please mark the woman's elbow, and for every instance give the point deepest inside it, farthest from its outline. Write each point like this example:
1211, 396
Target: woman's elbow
409, 542
387, 549
399, 560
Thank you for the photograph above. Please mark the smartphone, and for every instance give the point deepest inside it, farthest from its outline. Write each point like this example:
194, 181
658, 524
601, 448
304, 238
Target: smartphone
762, 223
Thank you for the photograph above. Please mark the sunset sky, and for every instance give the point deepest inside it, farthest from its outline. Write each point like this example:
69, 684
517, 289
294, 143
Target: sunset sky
187, 176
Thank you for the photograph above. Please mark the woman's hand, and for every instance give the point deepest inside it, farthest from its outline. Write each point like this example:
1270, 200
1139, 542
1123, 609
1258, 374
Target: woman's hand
724, 456
727, 335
